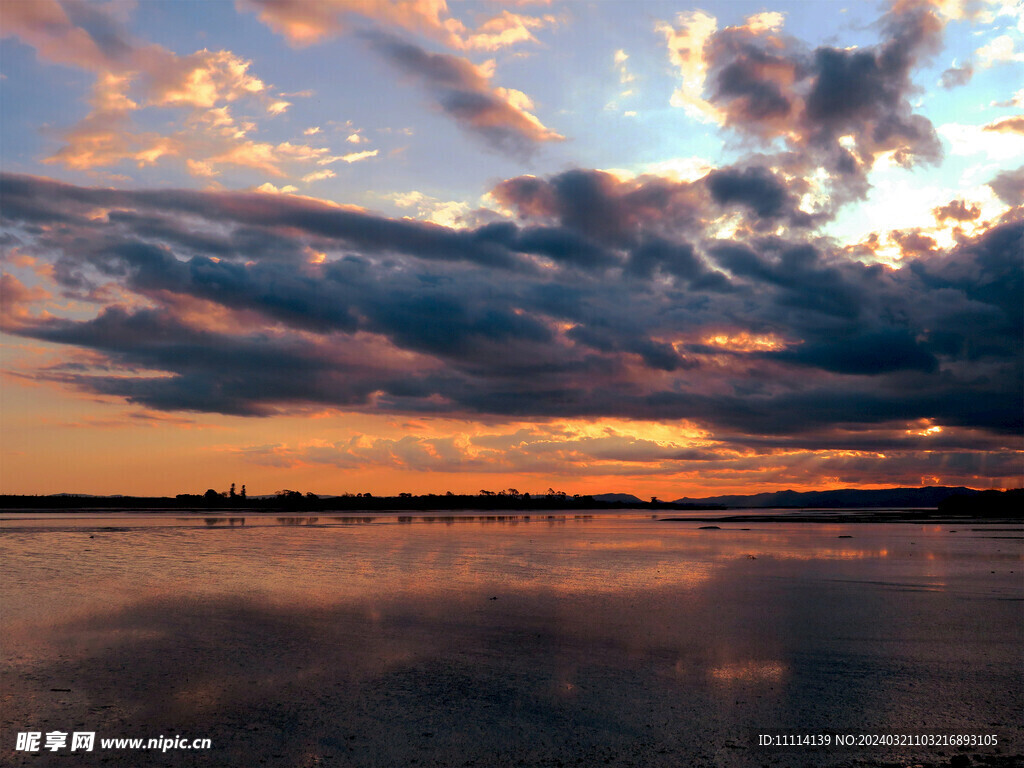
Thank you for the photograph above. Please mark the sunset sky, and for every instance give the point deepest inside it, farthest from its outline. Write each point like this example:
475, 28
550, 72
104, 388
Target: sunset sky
651, 247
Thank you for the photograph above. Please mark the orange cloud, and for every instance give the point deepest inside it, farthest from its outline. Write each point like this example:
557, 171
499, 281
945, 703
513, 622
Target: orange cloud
104, 137
686, 41
586, 458
18, 298
132, 76
1012, 124
45, 26
203, 79
306, 23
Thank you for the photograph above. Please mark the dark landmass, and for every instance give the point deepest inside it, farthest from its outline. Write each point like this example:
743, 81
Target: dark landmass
928, 496
1009, 503
929, 504
975, 507
363, 502
627, 498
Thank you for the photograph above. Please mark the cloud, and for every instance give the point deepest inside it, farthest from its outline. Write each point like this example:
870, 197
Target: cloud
499, 116
999, 50
451, 213
1017, 100
104, 137
866, 354
504, 30
998, 140
704, 301
19, 301
1013, 124
617, 449
190, 93
611, 209
835, 108
319, 175
686, 42
1009, 186
599, 298
73, 33
304, 23
619, 58
354, 157
545, 450
600, 205
204, 79
956, 76
271, 189
958, 210
758, 190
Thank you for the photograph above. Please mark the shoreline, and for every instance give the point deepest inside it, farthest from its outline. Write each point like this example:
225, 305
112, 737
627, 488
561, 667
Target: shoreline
773, 515
867, 516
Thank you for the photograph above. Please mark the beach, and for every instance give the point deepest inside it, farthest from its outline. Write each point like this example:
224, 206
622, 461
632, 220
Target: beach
508, 640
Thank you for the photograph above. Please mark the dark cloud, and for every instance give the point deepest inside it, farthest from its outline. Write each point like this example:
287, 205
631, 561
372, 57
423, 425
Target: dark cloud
1009, 186
603, 207
867, 354
759, 191
866, 90
752, 78
797, 280
678, 259
957, 210
619, 318
109, 37
462, 91
833, 107
954, 77
913, 242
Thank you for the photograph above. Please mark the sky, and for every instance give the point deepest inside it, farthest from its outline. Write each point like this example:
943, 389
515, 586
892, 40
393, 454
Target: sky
662, 248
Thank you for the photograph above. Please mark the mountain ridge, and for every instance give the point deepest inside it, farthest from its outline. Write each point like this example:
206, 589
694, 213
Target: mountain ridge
925, 496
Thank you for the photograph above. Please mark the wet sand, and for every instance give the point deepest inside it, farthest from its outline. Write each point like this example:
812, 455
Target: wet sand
614, 640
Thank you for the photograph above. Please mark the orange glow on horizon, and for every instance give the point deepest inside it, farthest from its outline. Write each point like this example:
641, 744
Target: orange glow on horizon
102, 445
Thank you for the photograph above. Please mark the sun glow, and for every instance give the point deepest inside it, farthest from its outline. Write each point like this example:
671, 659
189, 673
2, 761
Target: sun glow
745, 342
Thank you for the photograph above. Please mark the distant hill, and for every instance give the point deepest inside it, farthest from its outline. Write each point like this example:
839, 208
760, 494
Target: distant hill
929, 496
612, 498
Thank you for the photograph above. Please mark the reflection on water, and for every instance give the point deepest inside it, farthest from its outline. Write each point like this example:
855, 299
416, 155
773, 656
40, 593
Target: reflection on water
297, 520
79, 521
603, 639
748, 671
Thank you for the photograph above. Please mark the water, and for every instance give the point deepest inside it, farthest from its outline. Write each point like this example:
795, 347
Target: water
512, 639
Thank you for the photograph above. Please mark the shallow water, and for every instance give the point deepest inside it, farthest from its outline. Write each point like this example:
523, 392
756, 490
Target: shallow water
486, 639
